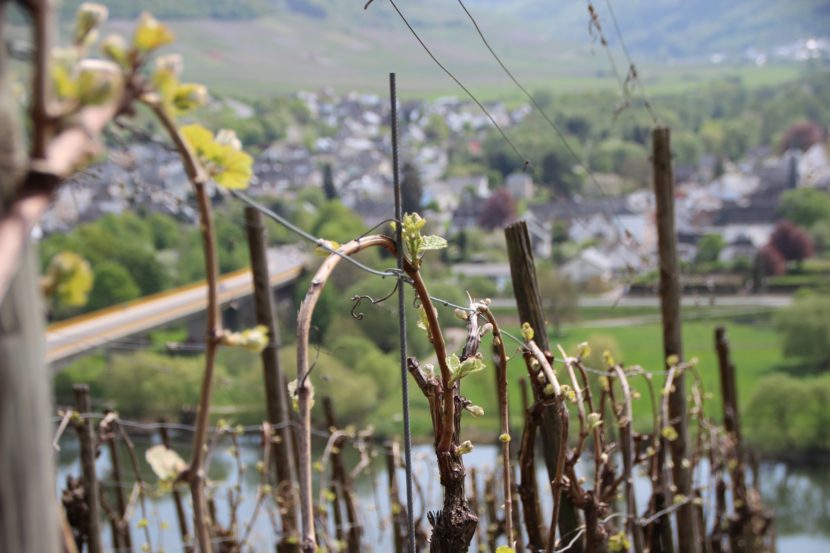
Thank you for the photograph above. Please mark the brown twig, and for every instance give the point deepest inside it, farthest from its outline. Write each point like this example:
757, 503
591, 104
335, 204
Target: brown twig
625, 423
198, 178
318, 282
504, 419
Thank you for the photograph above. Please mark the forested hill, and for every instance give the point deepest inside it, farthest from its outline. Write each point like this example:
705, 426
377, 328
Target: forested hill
677, 28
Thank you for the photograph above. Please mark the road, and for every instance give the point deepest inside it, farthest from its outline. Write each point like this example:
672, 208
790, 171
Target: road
610, 301
91, 330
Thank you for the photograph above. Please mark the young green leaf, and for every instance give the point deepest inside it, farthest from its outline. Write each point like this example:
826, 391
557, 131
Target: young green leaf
619, 542
150, 34
228, 166
236, 168
432, 242
253, 339
527, 332
460, 369
62, 69
464, 448
87, 19
97, 82
199, 138
115, 48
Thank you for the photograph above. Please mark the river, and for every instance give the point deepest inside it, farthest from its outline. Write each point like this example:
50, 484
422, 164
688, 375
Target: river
800, 496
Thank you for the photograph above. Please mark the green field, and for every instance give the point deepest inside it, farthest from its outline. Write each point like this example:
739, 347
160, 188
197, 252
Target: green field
755, 352
275, 55
755, 348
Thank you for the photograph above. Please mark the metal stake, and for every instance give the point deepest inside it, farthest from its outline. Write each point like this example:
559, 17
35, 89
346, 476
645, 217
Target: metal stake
407, 435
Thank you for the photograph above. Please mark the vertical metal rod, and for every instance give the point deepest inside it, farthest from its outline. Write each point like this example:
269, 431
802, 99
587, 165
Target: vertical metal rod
407, 435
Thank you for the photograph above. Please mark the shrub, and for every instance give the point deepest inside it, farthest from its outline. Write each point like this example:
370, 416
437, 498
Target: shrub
787, 414
805, 329
791, 241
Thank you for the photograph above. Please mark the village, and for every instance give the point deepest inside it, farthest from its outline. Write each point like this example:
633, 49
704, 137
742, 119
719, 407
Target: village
608, 240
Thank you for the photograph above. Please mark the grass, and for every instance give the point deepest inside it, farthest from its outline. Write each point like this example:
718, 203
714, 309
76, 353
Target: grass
755, 352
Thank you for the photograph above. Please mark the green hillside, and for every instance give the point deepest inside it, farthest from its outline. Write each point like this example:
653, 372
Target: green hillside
263, 47
656, 27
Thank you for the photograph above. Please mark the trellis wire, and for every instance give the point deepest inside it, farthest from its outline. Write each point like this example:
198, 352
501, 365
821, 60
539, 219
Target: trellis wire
322, 243
407, 431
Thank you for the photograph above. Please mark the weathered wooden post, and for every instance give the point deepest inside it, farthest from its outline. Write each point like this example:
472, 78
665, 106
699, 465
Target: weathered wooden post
688, 540
121, 530
729, 390
531, 310
276, 391
398, 511
342, 482
86, 436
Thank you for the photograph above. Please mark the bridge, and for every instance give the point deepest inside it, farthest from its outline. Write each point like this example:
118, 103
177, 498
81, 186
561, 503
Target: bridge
91, 330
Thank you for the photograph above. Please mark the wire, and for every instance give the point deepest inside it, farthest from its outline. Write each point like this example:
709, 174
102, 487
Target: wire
549, 120
633, 74
460, 84
324, 245
319, 242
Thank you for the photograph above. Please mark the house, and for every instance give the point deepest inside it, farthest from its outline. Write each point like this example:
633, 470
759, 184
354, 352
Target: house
754, 221
520, 185
374, 211
740, 248
466, 215
589, 265
814, 166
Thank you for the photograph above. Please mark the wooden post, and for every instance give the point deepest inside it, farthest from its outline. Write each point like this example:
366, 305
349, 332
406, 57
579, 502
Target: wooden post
496, 526
122, 535
741, 536
28, 509
343, 484
86, 436
531, 310
276, 390
528, 491
728, 389
177, 497
672, 338
398, 522
475, 504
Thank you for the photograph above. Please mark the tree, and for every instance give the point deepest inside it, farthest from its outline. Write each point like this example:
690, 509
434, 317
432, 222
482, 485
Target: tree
113, 285
498, 210
781, 414
709, 248
801, 136
805, 206
144, 268
771, 262
557, 174
328, 183
560, 297
805, 329
412, 190
627, 159
791, 241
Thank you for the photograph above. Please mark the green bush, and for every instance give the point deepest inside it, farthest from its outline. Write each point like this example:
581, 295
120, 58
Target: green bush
805, 329
787, 414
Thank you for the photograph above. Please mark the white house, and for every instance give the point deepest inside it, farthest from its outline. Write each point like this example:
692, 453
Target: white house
590, 264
